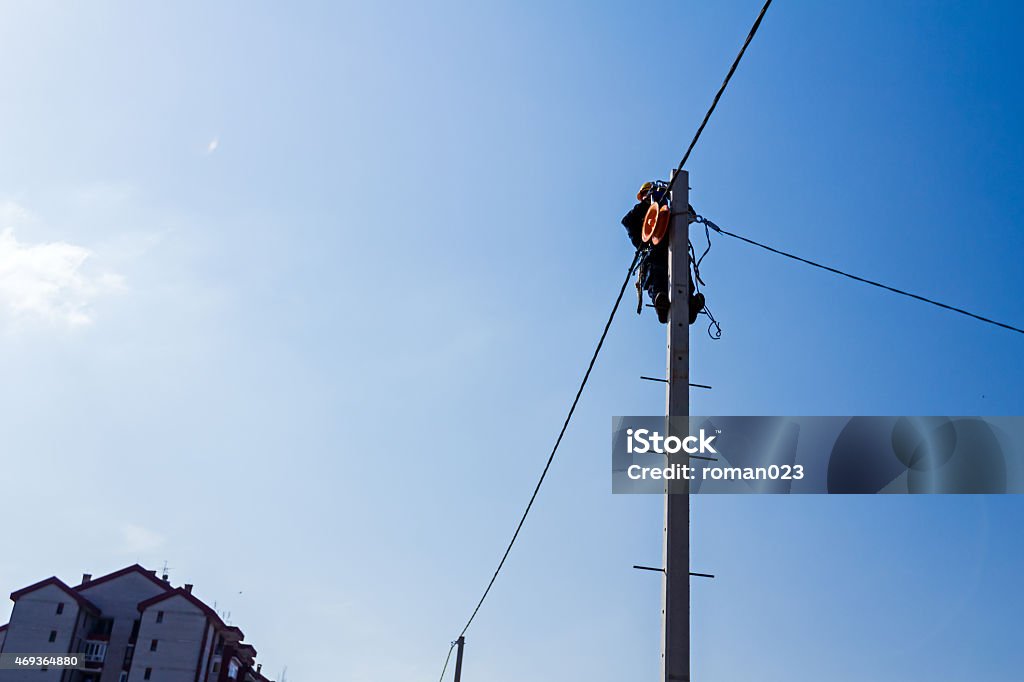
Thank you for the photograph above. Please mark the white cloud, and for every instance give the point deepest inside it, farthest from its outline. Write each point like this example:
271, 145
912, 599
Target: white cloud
212, 146
49, 281
12, 213
139, 540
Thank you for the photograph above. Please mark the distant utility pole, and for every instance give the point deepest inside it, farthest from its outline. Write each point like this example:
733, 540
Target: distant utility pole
461, 642
675, 620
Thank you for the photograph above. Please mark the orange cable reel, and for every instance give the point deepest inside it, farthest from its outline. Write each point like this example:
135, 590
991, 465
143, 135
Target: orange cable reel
650, 222
660, 225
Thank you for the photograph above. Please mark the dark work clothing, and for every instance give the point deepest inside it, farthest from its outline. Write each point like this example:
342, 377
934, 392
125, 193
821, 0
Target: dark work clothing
634, 223
654, 271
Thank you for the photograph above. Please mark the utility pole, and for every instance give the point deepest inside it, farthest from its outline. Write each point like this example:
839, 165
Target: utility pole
458, 658
675, 619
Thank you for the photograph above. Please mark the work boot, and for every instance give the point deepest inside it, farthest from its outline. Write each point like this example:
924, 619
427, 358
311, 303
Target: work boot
696, 305
661, 306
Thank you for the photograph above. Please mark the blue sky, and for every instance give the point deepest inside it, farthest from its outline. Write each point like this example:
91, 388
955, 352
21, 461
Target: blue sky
295, 296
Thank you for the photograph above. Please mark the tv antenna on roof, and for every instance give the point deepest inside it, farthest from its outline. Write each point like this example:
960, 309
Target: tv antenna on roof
165, 572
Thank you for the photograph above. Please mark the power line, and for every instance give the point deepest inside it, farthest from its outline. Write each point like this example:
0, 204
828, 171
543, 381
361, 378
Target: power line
551, 457
725, 83
446, 659
558, 441
901, 292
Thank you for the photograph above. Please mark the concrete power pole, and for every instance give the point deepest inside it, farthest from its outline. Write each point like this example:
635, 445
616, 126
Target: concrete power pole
675, 620
458, 659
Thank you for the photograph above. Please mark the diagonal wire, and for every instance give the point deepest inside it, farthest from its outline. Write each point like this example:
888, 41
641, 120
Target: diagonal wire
856, 278
558, 441
446, 659
725, 83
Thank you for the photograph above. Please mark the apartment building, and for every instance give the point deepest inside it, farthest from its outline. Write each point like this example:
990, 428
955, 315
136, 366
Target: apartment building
128, 626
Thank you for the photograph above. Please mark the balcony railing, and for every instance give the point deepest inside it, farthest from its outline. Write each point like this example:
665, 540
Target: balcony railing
95, 651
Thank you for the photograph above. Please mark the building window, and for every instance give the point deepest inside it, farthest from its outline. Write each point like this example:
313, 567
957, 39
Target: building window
95, 652
159, 616
216, 667
152, 645
60, 608
232, 670
123, 677
53, 635
146, 675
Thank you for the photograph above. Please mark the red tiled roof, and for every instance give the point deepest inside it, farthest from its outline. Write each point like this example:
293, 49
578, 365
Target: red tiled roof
82, 601
197, 602
134, 568
248, 648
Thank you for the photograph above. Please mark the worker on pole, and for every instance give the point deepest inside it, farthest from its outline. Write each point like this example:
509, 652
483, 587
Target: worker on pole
646, 224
